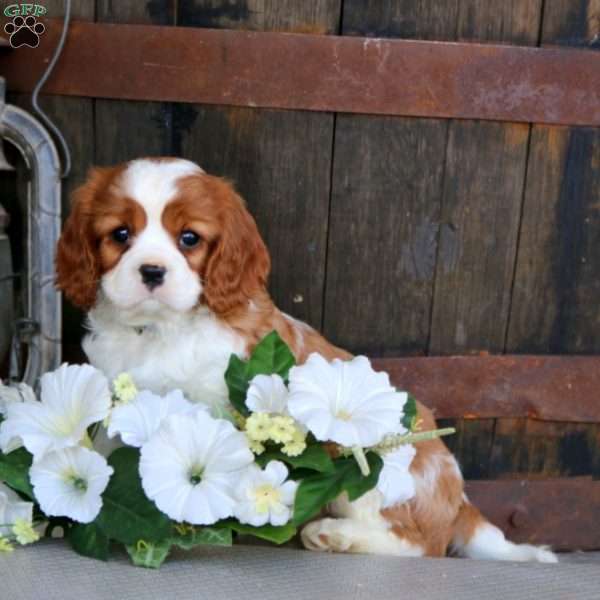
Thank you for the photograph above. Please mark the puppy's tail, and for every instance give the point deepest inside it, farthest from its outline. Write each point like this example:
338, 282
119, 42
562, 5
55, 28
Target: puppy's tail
475, 537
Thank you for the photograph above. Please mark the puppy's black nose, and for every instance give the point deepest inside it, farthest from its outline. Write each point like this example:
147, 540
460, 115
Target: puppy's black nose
152, 275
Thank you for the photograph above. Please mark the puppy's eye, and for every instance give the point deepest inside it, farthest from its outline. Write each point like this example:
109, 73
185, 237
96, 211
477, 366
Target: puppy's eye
120, 235
189, 239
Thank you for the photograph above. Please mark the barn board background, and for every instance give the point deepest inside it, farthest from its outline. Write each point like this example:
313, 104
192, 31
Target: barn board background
395, 236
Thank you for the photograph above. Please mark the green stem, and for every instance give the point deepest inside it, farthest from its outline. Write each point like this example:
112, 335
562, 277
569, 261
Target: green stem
361, 459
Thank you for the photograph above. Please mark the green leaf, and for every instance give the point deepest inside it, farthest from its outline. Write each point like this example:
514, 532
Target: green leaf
276, 535
127, 515
89, 540
317, 490
211, 536
148, 554
14, 471
236, 377
271, 355
410, 412
314, 458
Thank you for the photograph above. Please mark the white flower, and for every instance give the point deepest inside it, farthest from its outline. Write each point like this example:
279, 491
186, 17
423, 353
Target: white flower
12, 508
70, 482
139, 419
73, 398
14, 393
346, 402
264, 496
267, 394
396, 482
190, 466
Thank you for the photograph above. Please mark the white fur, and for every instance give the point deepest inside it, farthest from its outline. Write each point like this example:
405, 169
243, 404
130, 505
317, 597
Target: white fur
153, 185
489, 543
359, 528
170, 350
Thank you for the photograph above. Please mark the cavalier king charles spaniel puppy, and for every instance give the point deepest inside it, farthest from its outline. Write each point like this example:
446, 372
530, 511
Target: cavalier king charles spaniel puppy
172, 272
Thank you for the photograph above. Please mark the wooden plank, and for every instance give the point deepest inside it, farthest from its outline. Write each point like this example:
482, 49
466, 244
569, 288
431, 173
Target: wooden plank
127, 130
471, 445
404, 19
346, 74
317, 16
556, 287
470, 276
550, 388
383, 228
385, 205
280, 161
568, 23
560, 512
481, 206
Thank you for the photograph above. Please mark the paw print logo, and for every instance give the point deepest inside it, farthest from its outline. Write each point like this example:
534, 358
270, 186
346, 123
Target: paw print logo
24, 31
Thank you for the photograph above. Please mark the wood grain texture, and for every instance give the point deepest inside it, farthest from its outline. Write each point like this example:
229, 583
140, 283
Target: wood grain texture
561, 512
317, 16
406, 19
127, 130
383, 227
484, 174
386, 190
572, 23
481, 205
557, 282
280, 161
480, 213
557, 276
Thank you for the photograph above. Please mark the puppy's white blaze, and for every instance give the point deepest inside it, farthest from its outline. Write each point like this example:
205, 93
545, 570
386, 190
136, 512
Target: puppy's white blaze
153, 184
489, 543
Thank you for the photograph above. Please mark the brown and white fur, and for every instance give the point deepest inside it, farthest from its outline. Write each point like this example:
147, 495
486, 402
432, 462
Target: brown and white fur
209, 300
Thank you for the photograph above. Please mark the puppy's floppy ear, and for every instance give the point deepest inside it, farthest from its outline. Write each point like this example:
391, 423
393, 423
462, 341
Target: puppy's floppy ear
77, 260
239, 263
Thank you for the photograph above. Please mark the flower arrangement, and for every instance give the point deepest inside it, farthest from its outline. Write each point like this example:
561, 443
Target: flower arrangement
296, 437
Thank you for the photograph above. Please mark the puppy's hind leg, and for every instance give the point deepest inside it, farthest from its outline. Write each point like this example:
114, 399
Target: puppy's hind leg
361, 529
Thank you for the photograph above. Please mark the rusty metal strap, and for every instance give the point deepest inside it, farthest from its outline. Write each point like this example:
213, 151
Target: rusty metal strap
560, 512
551, 388
312, 72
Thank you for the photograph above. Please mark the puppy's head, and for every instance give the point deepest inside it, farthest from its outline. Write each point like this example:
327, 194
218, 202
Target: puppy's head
160, 233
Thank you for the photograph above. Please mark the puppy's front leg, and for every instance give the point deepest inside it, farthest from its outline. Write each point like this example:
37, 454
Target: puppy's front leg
360, 528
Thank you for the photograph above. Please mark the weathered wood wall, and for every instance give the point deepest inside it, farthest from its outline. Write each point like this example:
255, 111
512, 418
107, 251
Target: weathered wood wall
397, 236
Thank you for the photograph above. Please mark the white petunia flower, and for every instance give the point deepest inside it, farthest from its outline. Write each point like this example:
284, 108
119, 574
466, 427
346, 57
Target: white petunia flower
70, 482
190, 466
396, 482
73, 397
12, 508
346, 402
267, 394
14, 393
264, 496
139, 419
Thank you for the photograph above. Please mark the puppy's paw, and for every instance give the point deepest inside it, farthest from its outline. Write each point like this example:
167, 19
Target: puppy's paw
543, 554
325, 536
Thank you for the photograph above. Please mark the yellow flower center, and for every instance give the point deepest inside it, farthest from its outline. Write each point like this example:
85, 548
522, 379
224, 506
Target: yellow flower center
343, 415
266, 497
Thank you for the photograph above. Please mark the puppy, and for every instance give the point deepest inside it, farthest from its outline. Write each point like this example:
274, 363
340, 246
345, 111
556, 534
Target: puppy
172, 271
